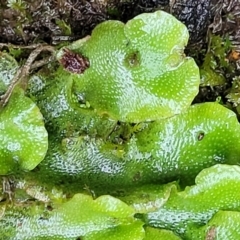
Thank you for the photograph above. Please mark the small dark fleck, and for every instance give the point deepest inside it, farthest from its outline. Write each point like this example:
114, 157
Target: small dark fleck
201, 136
49, 208
74, 62
137, 177
133, 59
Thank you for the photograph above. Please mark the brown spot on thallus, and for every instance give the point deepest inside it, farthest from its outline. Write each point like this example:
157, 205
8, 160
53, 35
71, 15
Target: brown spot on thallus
49, 208
74, 62
200, 136
133, 60
211, 233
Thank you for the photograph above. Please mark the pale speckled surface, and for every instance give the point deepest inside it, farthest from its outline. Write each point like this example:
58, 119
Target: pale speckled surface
62, 112
217, 188
167, 149
138, 71
175, 148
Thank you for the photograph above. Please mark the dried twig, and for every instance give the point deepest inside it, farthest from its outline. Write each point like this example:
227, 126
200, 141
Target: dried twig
23, 71
9, 45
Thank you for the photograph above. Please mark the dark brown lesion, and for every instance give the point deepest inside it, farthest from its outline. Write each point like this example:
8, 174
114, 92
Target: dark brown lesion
74, 62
